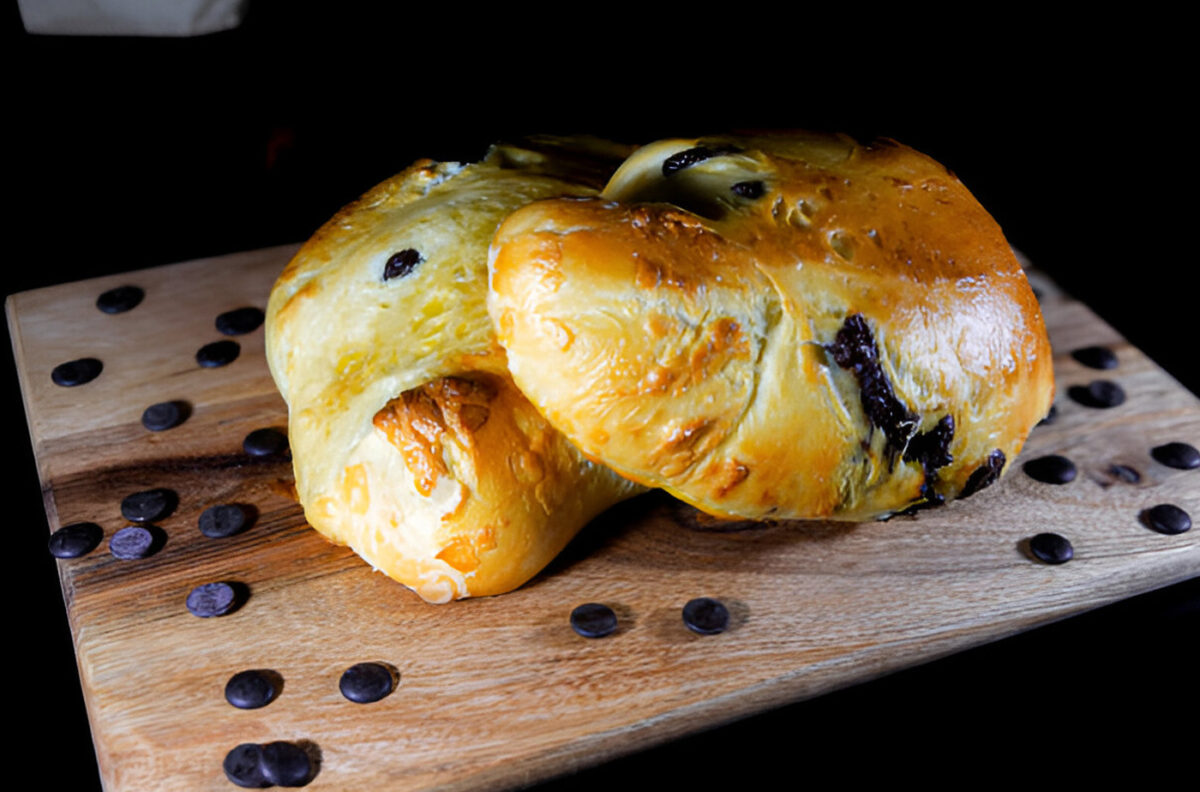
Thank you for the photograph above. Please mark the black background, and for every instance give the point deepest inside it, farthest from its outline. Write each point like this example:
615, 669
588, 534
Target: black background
132, 153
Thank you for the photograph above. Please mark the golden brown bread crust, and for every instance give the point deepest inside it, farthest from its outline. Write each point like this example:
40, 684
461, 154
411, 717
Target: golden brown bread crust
410, 442
793, 326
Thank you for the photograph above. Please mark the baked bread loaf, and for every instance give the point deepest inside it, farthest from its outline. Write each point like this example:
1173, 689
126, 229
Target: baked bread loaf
784, 326
409, 441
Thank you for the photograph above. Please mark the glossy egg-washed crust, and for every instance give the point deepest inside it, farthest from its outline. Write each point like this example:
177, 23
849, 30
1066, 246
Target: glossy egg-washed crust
409, 441
782, 326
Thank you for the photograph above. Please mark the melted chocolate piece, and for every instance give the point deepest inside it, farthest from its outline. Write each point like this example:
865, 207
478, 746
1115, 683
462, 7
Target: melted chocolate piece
217, 354
76, 372
1180, 456
365, 683
1051, 548
689, 157
1051, 469
985, 475
401, 264
1096, 357
72, 541
706, 616
748, 189
1166, 518
239, 321
593, 620
1100, 394
854, 349
120, 299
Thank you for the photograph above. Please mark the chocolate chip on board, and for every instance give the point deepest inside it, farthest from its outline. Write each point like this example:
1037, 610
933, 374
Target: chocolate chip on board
120, 299
286, 764
1180, 456
223, 520
239, 321
1167, 518
214, 599
1096, 357
134, 542
217, 354
165, 415
1050, 469
706, 616
1101, 394
76, 372
149, 505
1051, 548
75, 540
593, 620
252, 689
265, 442
364, 683
243, 766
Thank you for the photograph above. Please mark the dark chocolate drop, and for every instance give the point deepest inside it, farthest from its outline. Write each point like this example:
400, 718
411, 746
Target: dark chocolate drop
165, 415
149, 505
364, 683
1101, 394
1096, 357
243, 766
215, 599
223, 520
1052, 469
1168, 519
1051, 548
286, 764
75, 540
401, 264
706, 616
265, 442
1180, 456
76, 372
134, 542
217, 354
239, 321
593, 620
252, 689
120, 299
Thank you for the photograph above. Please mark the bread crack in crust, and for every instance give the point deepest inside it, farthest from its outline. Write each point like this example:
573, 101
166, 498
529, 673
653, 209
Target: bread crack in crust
784, 326
410, 442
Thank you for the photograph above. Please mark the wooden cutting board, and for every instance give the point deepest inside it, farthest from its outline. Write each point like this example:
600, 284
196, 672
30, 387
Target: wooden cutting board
499, 692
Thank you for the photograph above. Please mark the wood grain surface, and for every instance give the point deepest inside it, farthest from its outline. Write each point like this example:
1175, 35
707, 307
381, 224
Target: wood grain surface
498, 692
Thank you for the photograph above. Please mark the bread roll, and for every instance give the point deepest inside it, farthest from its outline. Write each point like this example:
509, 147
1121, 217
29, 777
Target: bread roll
790, 326
409, 441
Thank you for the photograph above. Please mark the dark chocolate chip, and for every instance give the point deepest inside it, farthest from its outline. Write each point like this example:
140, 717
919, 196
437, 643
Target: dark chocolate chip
149, 505
239, 321
135, 541
1052, 469
706, 616
165, 415
244, 767
689, 157
72, 541
985, 475
1125, 473
1051, 548
1177, 455
748, 189
286, 764
223, 520
1051, 416
593, 620
214, 599
218, 353
1100, 394
401, 264
76, 372
364, 683
120, 299
252, 689
1167, 518
265, 442
1096, 357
